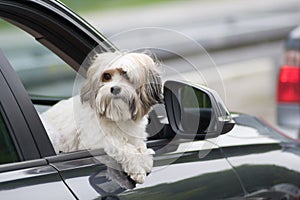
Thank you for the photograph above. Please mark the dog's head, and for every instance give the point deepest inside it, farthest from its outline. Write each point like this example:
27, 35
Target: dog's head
122, 86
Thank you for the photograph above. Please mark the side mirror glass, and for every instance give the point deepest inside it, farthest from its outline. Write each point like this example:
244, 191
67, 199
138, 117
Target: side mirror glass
196, 111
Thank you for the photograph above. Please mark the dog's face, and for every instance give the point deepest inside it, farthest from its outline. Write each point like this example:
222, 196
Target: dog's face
122, 86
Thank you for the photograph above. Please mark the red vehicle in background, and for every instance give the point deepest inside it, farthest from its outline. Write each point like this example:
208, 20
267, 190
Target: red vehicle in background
288, 87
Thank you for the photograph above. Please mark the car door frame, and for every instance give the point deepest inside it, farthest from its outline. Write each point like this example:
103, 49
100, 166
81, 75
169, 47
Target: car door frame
24, 125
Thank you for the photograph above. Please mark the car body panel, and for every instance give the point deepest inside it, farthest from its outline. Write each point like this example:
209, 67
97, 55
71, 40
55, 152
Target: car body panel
38, 182
192, 176
194, 169
265, 159
260, 167
180, 175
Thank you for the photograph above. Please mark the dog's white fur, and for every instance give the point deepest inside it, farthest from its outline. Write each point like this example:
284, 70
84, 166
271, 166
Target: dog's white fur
110, 112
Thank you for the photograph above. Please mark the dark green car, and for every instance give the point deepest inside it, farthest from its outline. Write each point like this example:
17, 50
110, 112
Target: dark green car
202, 151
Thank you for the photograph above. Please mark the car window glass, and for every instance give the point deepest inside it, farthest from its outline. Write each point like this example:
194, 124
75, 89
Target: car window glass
40, 70
8, 152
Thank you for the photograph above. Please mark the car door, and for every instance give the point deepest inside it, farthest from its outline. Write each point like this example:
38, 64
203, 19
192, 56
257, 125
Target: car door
267, 163
183, 169
188, 169
24, 174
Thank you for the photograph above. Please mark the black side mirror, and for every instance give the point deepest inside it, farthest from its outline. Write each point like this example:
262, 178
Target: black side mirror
196, 111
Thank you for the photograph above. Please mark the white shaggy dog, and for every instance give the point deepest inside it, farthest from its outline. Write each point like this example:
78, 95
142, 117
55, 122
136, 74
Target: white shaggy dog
110, 112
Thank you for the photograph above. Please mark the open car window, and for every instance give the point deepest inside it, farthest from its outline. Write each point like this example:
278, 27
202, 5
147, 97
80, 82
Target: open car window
42, 73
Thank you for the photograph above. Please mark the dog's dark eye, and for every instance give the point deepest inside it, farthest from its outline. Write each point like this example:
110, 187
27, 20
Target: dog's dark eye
125, 75
106, 76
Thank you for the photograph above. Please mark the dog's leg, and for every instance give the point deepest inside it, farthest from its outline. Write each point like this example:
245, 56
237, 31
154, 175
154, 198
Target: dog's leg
143, 149
141, 146
138, 166
135, 163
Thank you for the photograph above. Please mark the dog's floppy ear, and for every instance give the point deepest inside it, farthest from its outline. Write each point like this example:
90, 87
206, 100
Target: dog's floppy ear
89, 89
151, 92
153, 88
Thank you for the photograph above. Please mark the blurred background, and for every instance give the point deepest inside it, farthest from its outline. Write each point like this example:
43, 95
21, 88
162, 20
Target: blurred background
233, 46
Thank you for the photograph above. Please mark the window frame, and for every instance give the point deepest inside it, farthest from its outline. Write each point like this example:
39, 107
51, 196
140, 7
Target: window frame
23, 123
6, 132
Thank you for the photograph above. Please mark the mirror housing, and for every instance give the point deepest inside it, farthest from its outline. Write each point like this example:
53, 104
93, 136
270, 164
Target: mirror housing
196, 111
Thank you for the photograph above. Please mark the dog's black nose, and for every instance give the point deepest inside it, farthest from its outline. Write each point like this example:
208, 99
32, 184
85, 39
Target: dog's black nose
115, 90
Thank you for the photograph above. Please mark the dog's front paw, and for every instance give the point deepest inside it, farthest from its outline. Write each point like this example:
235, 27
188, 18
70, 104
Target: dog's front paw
139, 167
147, 162
138, 177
